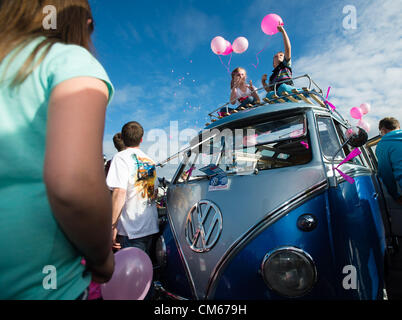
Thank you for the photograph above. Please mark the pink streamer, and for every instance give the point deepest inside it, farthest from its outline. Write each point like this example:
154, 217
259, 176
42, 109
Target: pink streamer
346, 177
351, 155
327, 102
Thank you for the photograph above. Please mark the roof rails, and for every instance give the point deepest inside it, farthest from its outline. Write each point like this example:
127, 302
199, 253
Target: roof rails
306, 94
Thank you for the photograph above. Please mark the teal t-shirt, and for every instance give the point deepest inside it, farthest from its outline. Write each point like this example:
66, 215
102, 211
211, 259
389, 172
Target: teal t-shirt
37, 261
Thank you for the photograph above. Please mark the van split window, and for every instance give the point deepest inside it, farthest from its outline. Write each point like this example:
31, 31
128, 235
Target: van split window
242, 150
329, 139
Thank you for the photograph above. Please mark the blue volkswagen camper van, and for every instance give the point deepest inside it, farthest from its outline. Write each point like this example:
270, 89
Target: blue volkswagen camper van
263, 206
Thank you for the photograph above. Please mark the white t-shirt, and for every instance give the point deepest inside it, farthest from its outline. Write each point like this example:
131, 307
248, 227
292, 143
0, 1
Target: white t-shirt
133, 171
241, 94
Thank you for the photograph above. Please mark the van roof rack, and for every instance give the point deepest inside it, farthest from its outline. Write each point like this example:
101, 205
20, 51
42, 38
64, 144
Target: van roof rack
310, 95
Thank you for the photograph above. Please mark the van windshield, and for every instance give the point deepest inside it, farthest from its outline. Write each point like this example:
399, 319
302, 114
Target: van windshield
241, 151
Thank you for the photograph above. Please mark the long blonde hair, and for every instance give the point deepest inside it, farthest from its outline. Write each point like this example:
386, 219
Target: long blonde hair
21, 21
234, 73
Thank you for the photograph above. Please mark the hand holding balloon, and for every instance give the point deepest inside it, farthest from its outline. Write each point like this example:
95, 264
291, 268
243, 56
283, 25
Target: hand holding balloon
281, 29
270, 24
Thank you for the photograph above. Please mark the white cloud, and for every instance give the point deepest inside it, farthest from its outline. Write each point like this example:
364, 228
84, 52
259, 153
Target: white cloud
129, 94
362, 65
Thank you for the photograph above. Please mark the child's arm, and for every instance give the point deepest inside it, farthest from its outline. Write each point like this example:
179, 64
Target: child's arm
264, 84
254, 92
288, 47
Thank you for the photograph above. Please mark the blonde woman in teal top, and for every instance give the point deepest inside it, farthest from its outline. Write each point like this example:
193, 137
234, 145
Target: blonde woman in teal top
55, 208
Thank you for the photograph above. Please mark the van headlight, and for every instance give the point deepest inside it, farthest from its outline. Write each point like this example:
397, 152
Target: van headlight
160, 252
289, 271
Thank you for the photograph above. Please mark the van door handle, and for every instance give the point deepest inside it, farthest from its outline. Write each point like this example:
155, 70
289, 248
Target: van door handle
375, 195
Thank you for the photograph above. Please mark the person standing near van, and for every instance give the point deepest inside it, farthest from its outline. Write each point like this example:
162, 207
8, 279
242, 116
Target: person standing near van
119, 145
389, 156
55, 208
132, 177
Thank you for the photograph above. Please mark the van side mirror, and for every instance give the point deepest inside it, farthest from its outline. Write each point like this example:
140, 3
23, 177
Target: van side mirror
357, 137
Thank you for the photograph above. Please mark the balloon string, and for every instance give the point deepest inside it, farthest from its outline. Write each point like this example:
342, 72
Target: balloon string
230, 59
258, 60
224, 65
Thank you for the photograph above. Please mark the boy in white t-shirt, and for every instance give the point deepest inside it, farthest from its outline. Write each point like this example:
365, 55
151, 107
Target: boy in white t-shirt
132, 177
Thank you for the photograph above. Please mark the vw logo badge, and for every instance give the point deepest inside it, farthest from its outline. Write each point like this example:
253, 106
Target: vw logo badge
203, 226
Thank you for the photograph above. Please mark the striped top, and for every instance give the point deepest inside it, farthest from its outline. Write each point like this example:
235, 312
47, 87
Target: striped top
282, 72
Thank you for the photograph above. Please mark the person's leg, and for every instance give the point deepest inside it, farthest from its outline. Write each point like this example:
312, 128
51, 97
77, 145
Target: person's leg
250, 100
270, 95
144, 244
245, 103
223, 111
288, 88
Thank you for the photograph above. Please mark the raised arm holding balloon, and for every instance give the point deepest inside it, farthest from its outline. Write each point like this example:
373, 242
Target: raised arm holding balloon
282, 68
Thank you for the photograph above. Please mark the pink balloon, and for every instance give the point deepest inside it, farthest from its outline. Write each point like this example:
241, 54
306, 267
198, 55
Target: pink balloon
364, 125
228, 49
365, 108
240, 45
132, 276
356, 113
218, 45
270, 23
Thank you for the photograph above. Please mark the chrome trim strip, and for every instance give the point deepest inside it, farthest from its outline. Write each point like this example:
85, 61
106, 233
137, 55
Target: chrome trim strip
158, 287
254, 231
179, 249
356, 171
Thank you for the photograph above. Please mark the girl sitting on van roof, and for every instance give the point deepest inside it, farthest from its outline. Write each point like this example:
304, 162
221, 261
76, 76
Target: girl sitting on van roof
242, 94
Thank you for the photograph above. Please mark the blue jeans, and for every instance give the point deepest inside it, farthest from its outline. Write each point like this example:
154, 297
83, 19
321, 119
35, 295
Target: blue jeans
143, 243
283, 88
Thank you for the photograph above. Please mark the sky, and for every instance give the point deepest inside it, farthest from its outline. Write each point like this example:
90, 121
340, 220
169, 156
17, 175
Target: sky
159, 59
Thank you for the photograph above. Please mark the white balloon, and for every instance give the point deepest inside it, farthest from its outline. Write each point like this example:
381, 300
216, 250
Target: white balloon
365, 107
218, 45
240, 45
